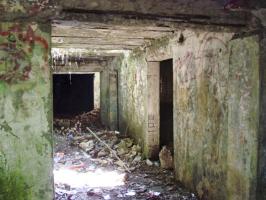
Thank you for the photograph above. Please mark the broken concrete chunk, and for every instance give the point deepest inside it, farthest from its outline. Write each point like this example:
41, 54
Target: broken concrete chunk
87, 146
136, 148
156, 163
125, 143
122, 151
148, 162
137, 159
102, 153
166, 158
119, 163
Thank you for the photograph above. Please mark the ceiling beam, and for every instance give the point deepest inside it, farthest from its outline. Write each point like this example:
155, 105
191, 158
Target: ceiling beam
210, 11
66, 31
57, 40
95, 47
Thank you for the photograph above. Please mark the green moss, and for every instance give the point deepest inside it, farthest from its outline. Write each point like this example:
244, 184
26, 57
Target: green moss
26, 101
6, 128
39, 148
48, 137
12, 184
159, 43
26, 86
2, 87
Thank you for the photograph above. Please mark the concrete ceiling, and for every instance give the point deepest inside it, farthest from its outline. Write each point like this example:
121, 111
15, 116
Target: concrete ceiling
103, 29
102, 40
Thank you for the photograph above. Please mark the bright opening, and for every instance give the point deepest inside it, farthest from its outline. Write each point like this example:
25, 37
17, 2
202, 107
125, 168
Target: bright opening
98, 178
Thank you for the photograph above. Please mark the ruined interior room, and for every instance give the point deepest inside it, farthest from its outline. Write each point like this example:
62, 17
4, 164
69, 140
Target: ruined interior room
123, 99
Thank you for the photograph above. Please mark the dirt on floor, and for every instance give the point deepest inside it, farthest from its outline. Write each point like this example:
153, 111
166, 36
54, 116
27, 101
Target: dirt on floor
93, 163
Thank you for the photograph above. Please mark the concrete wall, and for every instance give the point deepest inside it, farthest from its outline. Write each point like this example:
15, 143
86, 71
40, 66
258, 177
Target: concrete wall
97, 92
132, 99
216, 92
26, 112
216, 115
104, 97
109, 98
261, 192
153, 102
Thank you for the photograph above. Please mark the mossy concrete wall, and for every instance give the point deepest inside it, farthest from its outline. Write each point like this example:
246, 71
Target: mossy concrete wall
216, 109
104, 96
109, 98
97, 90
261, 191
243, 118
132, 99
216, 99
26, 112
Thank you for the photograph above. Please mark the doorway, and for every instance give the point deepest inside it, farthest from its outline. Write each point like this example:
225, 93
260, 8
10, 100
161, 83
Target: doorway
73, 94
166, 103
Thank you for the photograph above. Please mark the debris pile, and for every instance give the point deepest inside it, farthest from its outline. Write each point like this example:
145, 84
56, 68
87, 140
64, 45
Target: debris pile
123, 148
78, 124
102, 164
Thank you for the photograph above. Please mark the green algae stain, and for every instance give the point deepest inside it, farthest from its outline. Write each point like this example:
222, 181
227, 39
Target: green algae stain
26, 97
12, 184
2, 87
39, 148
6, 128
48, 137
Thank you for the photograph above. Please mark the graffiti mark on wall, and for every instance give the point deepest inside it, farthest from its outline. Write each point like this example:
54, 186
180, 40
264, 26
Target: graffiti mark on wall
186, 66
202, 61
16, 49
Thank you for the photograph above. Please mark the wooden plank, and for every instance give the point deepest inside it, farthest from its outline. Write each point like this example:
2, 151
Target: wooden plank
83, 69
99, 41
98, 54
104, 25
93, 47
61, 31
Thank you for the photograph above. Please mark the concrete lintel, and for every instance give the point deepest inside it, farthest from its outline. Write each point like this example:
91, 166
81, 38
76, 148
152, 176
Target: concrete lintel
82, 69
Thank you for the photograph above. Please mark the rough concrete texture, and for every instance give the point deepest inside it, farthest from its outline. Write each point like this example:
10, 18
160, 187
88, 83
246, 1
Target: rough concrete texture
216, 116
23, 7
97, 90
104, 96
152, 136
37, 10
182, 9
109, 98
132, 88
261, 192
216, 91
25, 117
243, 117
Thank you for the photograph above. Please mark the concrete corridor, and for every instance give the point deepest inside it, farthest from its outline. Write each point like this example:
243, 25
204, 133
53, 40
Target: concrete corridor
181, 81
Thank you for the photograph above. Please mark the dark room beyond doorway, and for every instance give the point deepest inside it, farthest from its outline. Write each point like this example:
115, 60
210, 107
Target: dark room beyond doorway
166, 103
72, 94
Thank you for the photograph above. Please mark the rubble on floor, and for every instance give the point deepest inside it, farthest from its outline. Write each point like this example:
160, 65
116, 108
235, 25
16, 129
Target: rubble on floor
166, 158
85, 168
77, 124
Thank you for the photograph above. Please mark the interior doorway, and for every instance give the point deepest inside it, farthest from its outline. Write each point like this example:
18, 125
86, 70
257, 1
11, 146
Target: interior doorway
73, 94
166, 103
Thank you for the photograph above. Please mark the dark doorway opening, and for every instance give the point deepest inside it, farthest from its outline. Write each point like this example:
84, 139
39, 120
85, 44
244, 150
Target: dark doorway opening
166, 103
72, 94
